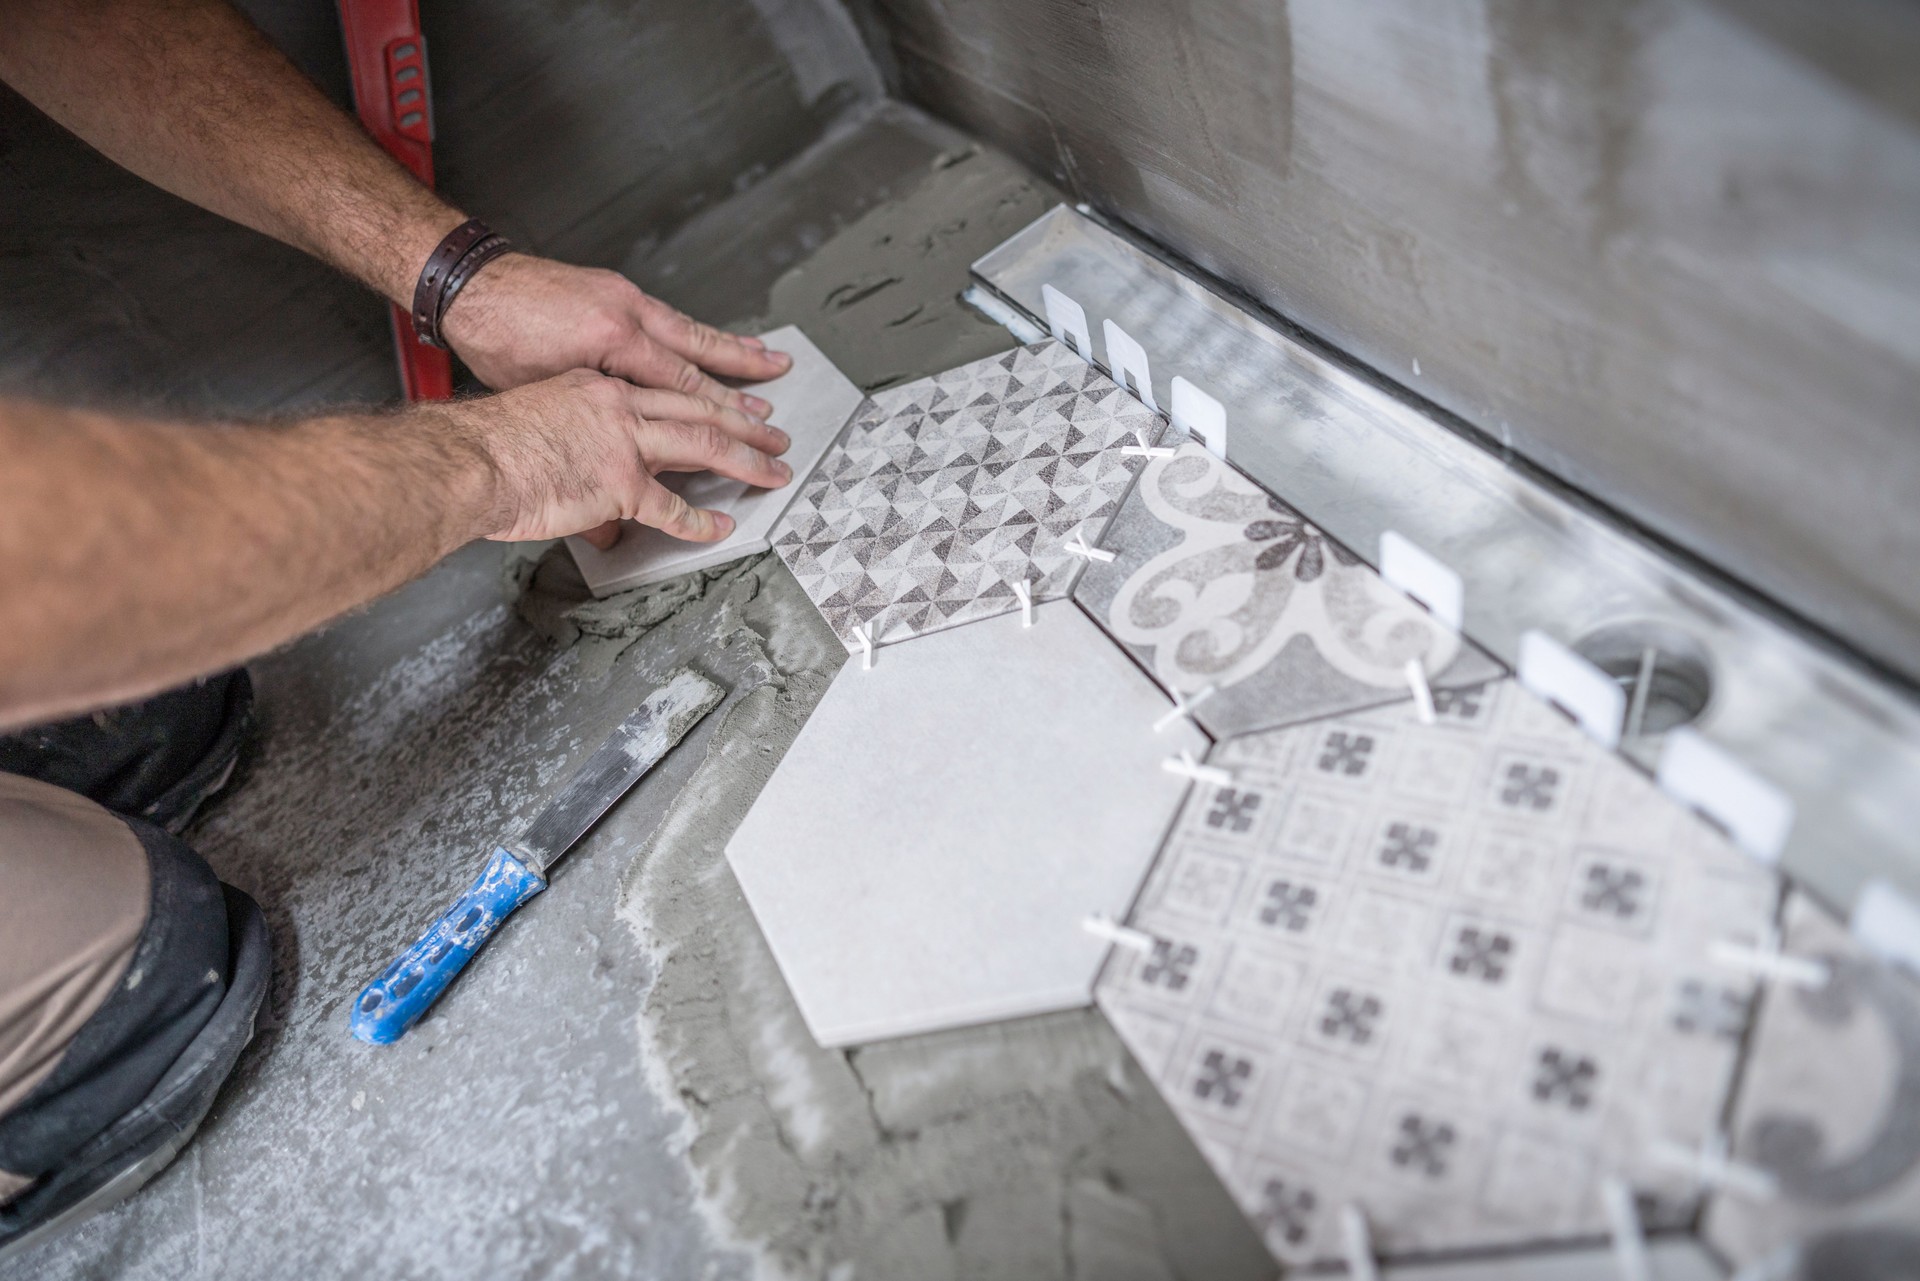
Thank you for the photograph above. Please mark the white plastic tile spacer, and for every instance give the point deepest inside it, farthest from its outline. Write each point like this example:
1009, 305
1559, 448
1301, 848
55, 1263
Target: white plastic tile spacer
1068, 320
1024, 590
1623, 1226
1012, 319
1769, 962
1422, 692
1079, 546
1187, 767
1100, 925
1887, 923
864, 634
1711, 1167
1592, 698
1356, 1244
1127, 363
1200, 416
1145, 450
1419, 574
1183, 706
1755, 814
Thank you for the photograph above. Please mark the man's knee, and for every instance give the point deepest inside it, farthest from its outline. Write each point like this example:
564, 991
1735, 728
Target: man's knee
113, 955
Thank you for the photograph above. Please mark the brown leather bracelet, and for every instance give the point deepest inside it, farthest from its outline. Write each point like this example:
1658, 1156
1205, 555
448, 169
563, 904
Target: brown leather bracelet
442, 276
463, 271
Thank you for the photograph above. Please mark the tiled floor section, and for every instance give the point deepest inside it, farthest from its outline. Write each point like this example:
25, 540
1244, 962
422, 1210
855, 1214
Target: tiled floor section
1830, 1105
949, 490
927, 849
1216, 583
1453, 973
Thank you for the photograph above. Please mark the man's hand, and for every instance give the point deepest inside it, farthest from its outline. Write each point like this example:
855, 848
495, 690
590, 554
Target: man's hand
524, 318
189, 95
573, 453
251, 535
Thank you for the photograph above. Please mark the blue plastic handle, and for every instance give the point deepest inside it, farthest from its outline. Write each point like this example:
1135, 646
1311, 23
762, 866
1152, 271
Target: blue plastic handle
394, 1002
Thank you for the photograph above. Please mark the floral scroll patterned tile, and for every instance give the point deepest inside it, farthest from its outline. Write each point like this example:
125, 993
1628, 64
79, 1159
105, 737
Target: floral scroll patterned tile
1829, 1104
1218, 583
947, 491
1454, 974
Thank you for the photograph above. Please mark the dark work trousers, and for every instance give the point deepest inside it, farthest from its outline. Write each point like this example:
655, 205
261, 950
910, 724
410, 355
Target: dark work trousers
114, 935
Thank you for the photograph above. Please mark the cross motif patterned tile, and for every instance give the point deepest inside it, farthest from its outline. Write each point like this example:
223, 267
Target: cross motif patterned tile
1217, 583
1456, 1003
947, 491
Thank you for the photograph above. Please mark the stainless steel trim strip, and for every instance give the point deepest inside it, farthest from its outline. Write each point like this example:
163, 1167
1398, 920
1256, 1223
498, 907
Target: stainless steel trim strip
1360, 456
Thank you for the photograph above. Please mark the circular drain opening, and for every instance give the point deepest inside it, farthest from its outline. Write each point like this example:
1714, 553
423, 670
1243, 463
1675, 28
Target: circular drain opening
1671, 666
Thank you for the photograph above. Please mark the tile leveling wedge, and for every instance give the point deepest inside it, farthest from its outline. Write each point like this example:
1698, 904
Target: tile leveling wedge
394, 1002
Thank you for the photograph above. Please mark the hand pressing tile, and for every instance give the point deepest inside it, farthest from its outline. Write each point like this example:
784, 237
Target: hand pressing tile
1453, 973
1217, 583
948, 491
927, 849
1829, 1104
811, 403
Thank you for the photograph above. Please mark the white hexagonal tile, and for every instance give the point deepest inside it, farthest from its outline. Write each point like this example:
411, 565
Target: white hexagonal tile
925, 853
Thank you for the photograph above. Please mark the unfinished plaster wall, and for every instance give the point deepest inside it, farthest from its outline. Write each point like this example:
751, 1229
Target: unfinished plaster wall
1669, 249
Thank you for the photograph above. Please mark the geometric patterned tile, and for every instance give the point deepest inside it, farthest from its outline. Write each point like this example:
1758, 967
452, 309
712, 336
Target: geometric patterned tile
1455, 974
948, 490
1216, 582
1829, 1103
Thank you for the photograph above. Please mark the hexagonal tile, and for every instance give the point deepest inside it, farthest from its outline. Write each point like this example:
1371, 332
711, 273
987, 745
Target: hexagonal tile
1458, 1007
1217, 584
925, 852
949, 490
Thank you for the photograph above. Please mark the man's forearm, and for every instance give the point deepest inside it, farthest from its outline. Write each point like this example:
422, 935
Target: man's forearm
138, 554
189, 95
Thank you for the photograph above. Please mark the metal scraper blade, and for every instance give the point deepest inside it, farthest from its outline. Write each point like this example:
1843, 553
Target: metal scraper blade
628, 753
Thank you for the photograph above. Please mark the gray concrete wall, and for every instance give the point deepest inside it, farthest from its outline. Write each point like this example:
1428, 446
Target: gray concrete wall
1669, 249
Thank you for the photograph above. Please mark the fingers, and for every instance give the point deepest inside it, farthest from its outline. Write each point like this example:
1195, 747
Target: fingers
647, 363
713, 350
681, 446
698, 409
671, 514
603, 536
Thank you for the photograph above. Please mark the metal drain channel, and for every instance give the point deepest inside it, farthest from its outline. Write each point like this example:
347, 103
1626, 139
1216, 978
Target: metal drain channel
1358, 457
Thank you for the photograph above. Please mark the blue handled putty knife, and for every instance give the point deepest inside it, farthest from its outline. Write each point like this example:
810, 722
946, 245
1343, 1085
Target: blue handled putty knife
394, 1002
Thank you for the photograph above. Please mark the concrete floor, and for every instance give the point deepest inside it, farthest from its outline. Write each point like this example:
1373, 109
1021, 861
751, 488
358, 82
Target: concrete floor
621, 1085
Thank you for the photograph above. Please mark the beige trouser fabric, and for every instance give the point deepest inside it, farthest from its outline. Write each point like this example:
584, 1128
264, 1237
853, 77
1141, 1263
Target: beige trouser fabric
73, 900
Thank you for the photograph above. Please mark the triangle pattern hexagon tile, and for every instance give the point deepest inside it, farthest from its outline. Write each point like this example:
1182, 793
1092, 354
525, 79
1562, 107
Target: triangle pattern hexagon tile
1217, 583
1453, 974
947, 491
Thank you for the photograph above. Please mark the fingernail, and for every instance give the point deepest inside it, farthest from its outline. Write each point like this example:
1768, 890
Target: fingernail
723, 523
781, 359
786, 472
754, 343
781, 438
758, 407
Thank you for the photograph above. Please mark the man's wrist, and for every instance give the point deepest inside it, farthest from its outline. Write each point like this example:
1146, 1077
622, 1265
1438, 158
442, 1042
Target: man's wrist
476, 485
462, 254
412, 248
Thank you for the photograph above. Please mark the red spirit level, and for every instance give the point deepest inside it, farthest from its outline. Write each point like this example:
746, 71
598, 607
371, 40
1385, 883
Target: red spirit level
387, 57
